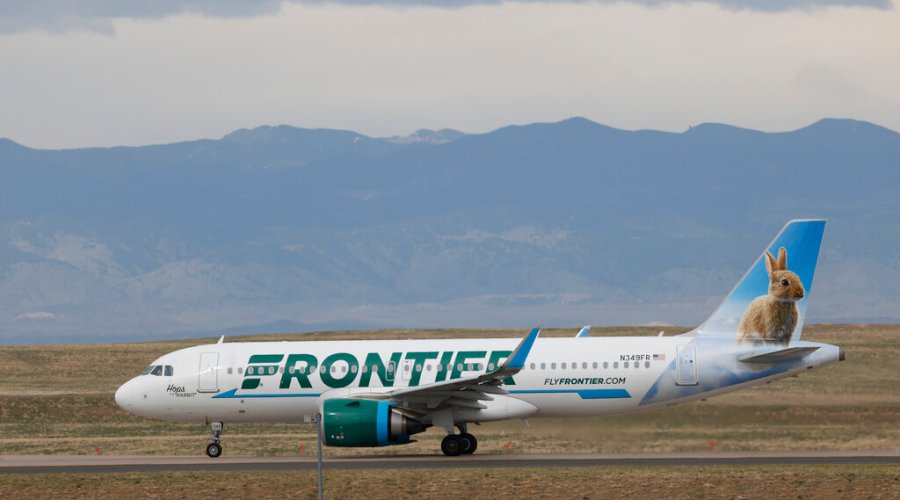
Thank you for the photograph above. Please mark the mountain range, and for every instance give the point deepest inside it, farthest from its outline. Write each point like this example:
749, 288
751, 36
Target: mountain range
561, 224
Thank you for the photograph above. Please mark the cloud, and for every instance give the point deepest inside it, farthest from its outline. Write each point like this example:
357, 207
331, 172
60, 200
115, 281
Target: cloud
59, 16
36, 315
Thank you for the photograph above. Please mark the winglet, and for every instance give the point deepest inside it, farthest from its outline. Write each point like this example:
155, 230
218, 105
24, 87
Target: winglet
584, 332
516, 360
221, 340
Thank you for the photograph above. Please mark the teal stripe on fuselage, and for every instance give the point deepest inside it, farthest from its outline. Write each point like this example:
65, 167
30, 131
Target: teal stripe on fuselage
231, 394
582, 393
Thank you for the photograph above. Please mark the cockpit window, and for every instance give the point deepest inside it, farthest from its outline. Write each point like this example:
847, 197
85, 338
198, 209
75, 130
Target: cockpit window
169, 370
147, 370
157, 370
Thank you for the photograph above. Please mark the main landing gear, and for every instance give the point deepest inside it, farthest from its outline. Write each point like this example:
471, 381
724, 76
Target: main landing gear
454, 445
214, 449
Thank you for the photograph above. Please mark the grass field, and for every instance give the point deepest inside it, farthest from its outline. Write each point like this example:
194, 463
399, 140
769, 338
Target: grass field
819, 481
58, 399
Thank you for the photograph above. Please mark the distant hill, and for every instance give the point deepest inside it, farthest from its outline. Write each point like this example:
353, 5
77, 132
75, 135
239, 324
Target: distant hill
569, 223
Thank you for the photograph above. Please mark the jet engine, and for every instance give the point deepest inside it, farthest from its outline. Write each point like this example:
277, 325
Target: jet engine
363, 422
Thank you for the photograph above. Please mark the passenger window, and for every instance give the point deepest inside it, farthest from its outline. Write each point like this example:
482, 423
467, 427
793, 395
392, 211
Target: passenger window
229, 370
574, 366
418, 367
563, 366
354, 369
626, 364
240, 370
646, 364
169, 370
491, 367
605, 365
543, 366
552, 366
615, 364
595, 365
157, 370
584, 365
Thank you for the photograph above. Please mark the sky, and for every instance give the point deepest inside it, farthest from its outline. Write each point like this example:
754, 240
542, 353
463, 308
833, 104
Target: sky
113, 72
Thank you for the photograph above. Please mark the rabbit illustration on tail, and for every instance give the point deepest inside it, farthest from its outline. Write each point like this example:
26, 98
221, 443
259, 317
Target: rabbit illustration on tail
774, 316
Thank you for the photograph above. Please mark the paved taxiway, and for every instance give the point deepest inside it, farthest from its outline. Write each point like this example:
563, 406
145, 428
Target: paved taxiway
47, 464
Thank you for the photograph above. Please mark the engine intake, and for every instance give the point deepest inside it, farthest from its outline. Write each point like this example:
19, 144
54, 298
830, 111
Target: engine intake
363, 422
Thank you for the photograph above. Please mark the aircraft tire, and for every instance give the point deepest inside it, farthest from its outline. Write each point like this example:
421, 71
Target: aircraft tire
213, 450
451, 445
468, 442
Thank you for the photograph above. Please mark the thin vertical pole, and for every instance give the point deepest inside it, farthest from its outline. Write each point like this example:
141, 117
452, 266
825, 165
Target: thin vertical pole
319, 455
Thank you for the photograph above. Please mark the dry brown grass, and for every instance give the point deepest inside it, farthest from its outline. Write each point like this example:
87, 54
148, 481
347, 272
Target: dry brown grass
58, 399
813, 481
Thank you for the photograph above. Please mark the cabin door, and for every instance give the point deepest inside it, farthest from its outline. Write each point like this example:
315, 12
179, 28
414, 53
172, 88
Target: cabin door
209, 372
686, 365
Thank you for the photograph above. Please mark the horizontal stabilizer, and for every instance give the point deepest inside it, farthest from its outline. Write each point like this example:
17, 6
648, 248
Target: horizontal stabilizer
778, 356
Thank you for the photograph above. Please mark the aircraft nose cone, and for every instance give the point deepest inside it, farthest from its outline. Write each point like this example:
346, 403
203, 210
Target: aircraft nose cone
123, 396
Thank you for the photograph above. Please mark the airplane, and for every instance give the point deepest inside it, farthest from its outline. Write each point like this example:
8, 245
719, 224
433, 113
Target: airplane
371, 393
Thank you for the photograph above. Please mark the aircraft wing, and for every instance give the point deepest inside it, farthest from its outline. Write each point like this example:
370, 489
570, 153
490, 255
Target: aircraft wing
463, 392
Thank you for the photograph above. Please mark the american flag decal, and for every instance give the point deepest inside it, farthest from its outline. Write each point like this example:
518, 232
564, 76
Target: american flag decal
659, 357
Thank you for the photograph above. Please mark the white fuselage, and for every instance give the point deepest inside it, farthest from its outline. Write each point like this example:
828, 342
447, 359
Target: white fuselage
285, 381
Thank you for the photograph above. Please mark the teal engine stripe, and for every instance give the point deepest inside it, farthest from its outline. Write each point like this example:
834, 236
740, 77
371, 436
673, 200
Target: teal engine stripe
381, 422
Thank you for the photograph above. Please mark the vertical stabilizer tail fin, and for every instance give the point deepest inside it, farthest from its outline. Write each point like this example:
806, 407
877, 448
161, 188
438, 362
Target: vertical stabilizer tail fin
769, 303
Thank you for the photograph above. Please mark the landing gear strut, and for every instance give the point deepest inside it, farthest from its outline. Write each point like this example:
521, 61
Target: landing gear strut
214, 449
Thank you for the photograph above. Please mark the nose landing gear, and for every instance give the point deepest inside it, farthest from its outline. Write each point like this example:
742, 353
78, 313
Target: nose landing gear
214, 449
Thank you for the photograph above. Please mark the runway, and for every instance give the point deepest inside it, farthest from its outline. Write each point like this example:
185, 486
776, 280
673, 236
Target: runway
56, 464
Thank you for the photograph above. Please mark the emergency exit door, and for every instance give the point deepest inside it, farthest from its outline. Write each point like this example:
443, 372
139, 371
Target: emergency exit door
686, 365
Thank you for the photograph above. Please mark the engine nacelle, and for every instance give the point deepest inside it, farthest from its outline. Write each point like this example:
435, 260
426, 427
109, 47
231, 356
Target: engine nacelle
363, 422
